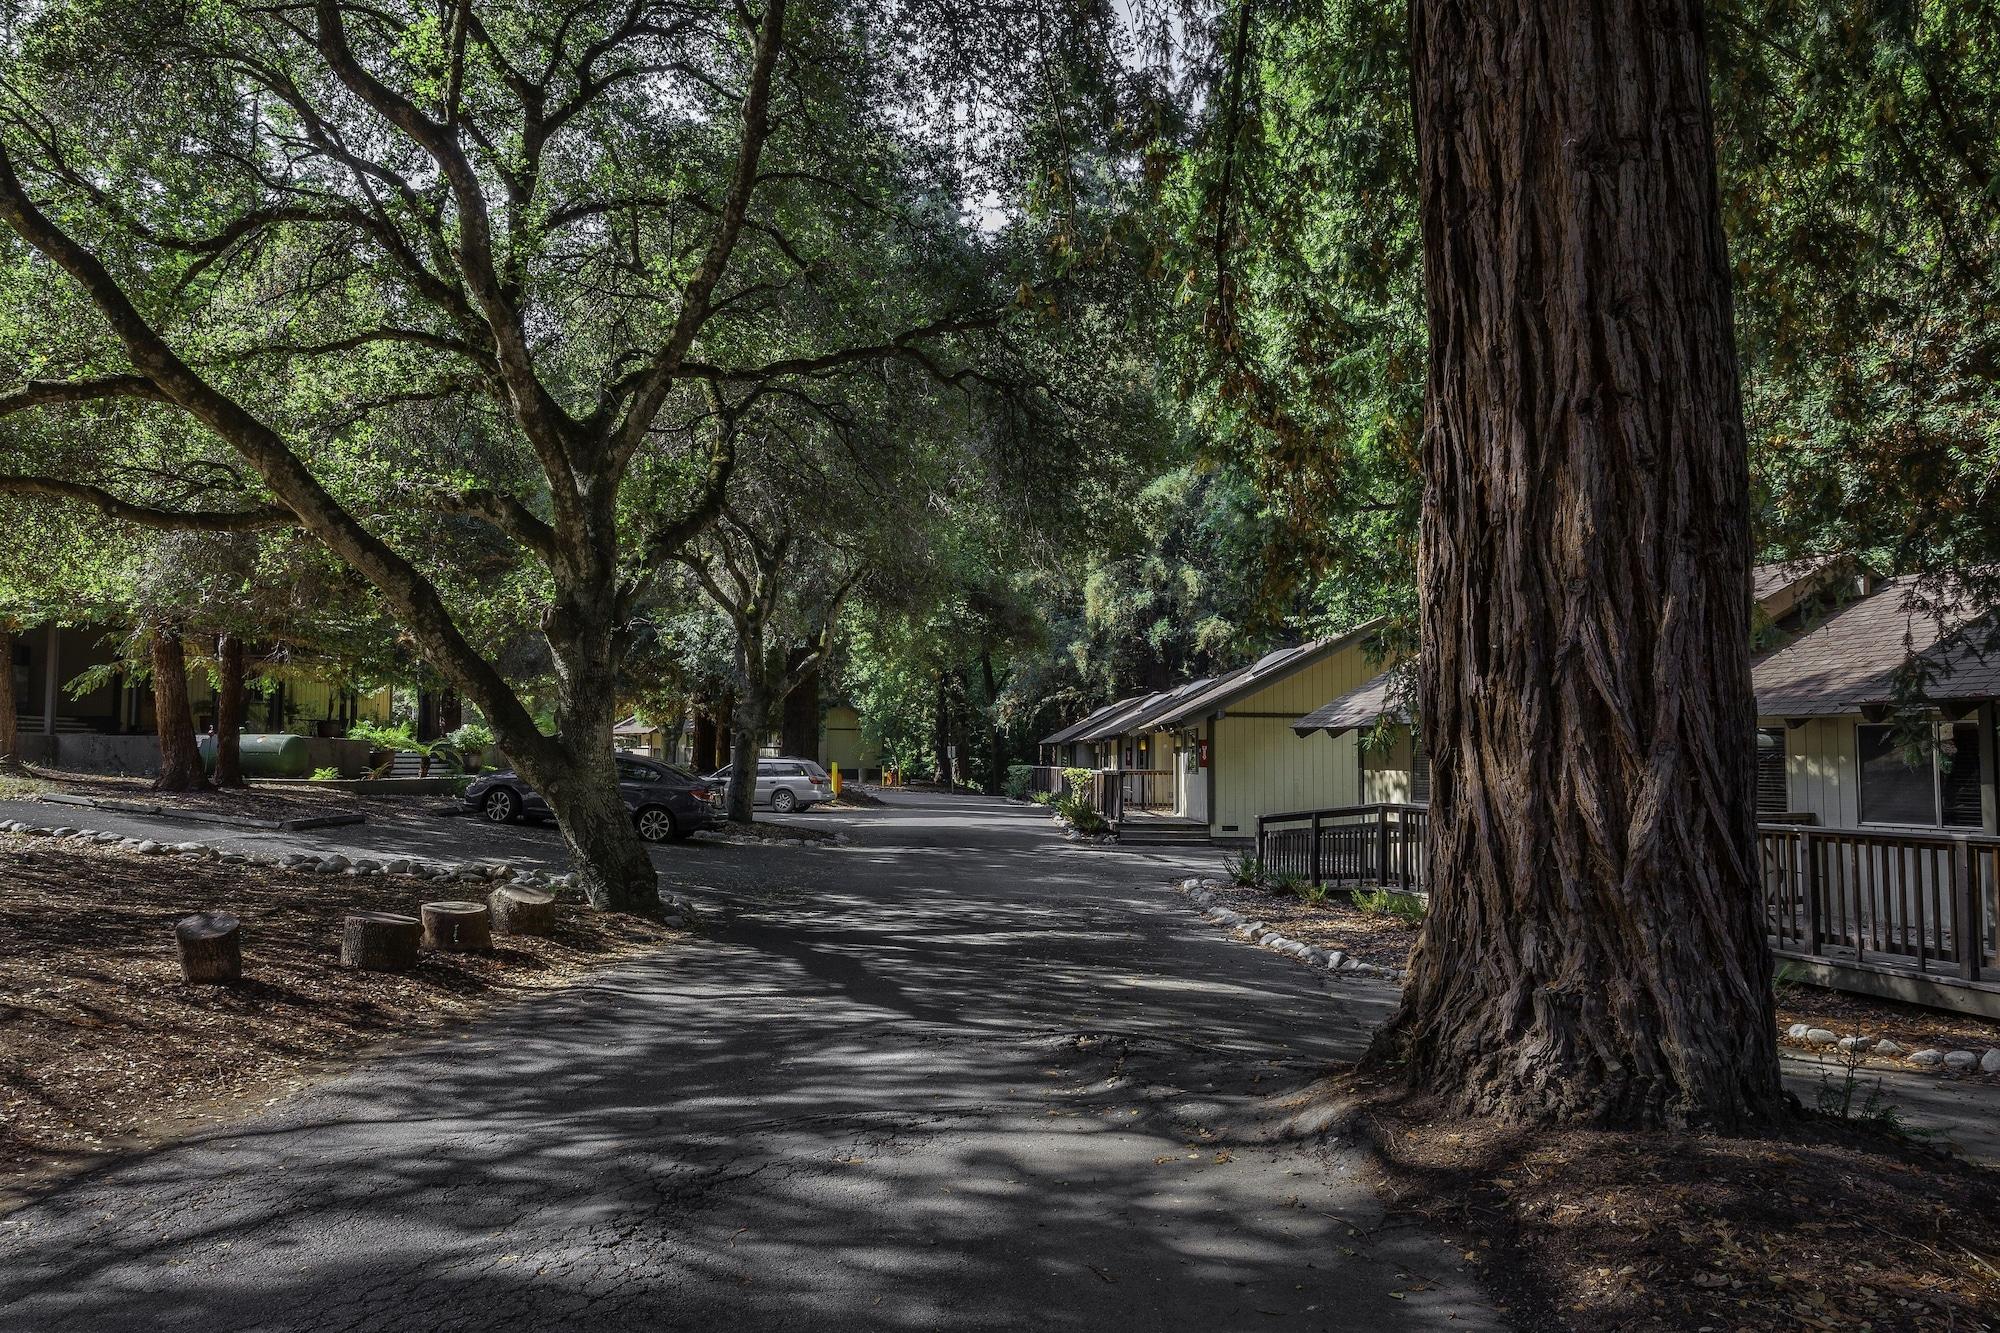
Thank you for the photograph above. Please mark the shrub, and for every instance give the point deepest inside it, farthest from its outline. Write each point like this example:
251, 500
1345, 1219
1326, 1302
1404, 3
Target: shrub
1245, 871
1313, 894
1406, 907
1287, 882
326, 775
1018, 778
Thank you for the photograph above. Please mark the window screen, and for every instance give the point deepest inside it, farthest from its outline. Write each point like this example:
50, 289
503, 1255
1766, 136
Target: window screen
1420, 772
1895, 790
1773, 797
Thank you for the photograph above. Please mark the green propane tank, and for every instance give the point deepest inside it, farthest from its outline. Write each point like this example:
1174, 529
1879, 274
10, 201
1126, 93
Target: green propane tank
267, 755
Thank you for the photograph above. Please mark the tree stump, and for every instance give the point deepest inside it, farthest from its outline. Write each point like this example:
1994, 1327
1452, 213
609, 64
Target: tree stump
211, 947
457, 927
380, 941
518, 911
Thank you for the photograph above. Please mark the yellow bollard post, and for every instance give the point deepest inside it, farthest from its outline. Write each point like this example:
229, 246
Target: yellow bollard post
836, 779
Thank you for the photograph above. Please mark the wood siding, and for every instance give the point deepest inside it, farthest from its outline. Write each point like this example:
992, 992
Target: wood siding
1261, 767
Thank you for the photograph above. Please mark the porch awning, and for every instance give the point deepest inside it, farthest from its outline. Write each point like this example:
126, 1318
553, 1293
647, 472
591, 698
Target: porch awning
1363, 706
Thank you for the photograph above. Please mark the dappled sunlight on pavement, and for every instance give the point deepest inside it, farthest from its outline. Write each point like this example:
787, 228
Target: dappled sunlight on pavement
959, 1074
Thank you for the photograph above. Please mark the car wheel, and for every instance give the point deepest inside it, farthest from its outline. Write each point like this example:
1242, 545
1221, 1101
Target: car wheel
501, 806
656, 824
783, 801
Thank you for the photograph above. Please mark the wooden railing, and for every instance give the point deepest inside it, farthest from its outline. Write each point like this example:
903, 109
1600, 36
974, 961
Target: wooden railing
1100, 786
1349, 844
1908, 899
1146, 788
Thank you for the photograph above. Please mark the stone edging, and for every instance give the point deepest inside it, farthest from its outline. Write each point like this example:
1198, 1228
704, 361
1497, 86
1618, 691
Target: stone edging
1931, 1060
1312, 955
679, 910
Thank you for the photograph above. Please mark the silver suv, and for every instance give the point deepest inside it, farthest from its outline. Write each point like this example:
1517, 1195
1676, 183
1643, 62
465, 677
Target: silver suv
785, 784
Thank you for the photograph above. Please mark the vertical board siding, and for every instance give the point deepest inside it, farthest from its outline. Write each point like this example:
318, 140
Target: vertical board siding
1263, 767
1820, 774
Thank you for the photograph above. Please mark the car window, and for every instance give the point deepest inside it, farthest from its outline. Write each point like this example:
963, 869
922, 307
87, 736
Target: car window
631, 772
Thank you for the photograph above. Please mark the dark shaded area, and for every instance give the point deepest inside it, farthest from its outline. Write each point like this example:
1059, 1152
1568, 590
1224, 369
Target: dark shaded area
960, 1074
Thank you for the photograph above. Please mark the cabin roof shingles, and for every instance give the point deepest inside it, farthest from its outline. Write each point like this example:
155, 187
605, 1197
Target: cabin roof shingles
1850, 660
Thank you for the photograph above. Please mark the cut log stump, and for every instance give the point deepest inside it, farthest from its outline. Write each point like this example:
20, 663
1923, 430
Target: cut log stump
518, 911
457, 927
380, 941
211, 947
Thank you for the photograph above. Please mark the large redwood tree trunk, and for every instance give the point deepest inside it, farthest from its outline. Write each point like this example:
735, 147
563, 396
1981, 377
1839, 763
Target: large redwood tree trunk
705, 749
1594, 951
10, 718
229, 712
173, 719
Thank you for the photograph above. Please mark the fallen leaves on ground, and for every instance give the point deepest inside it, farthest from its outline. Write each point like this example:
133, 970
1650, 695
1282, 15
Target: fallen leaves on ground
1818, 1225
106, 1047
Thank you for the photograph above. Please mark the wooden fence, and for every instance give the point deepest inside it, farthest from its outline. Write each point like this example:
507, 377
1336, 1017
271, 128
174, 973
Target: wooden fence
1100, 786
1146, 788
1907, 899
1349, 844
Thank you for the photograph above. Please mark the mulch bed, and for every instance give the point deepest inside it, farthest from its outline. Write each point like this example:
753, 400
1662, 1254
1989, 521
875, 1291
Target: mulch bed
1823, 1225
105, 1047
1333, 924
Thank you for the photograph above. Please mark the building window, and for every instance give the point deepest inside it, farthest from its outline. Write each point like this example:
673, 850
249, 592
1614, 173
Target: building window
1420, 772
1938, 789
1773, 795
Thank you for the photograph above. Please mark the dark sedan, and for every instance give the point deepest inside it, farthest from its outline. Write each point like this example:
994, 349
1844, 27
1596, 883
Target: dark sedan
666, 803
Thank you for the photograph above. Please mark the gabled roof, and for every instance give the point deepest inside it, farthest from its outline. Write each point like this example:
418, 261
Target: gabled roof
1266, 670
1363, 706
1849, 661
1074, 731
1121, 719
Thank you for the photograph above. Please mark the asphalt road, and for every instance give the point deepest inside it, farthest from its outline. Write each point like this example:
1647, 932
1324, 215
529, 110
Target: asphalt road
958, 1074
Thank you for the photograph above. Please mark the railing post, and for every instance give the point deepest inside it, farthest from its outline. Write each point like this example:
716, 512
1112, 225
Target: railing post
1814, 888
1260, 839
1313, 872
1966, 926
1381, 844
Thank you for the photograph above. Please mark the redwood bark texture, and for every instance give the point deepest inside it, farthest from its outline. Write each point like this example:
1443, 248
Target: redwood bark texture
1594, 951
10, 719
229, 713
180, 753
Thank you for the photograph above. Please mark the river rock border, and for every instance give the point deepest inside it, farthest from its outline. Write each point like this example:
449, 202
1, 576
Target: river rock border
1198, 892
1929, 1060
678, 910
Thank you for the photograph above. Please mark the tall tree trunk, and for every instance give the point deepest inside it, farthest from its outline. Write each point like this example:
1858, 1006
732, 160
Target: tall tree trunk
1594, 951
705, 752
798, 716
751, 718
961, 728
229, 713
180, 752
996, 745
10, 717
942, 730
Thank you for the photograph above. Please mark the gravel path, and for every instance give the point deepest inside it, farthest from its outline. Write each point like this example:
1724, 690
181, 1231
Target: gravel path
953, 1074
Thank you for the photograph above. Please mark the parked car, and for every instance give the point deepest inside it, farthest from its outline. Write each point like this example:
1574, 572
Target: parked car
784, 784
667, 803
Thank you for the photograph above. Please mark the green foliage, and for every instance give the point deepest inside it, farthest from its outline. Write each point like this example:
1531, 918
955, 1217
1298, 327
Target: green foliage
1018, 778
1285, 882
1405, 907
326, 775
1313, 894
1246, 870
474, 738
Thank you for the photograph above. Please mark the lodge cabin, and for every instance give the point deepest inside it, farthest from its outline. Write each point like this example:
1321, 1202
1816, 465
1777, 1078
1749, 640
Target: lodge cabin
1878, 813
1203, 760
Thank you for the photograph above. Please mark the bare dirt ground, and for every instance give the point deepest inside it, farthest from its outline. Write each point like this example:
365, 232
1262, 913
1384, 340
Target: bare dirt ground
1333, 924
1821, 1225
105, 1047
